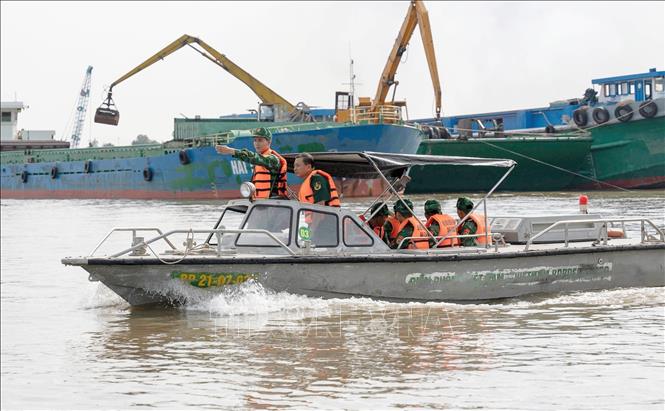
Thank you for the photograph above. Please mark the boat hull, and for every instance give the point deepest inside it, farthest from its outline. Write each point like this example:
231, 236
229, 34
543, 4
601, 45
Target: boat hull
629, 155
534, 156
120, 172
455, 277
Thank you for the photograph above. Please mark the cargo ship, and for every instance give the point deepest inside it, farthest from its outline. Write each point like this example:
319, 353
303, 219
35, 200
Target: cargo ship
613, 137
186, 167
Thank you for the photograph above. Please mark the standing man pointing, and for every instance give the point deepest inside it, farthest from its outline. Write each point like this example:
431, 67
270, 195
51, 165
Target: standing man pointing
269, 175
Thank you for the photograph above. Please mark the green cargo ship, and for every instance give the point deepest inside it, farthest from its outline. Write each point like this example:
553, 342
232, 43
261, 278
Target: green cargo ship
613, 137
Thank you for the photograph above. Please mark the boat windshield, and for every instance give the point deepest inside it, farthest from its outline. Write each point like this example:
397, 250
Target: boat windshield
275, 219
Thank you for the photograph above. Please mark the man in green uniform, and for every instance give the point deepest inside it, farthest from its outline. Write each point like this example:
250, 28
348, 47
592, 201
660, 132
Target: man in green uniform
318, 186
379, 219
402, 213
263, 158
464, 207
432, 207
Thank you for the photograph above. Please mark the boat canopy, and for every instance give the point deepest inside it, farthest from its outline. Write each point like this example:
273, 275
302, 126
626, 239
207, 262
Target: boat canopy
367, 164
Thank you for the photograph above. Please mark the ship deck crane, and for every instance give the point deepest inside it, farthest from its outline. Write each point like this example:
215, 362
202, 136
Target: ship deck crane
107, 113
416, 16
81, 108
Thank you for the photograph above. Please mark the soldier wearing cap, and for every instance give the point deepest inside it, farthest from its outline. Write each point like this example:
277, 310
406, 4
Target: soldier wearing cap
409, 227
378, 221
439, 224
269, 175
475, 224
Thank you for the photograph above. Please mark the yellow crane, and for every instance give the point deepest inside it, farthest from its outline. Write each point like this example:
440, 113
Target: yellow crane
416, 15
108, 114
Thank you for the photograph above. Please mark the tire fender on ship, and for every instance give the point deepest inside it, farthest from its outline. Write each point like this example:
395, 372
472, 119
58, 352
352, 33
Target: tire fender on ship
648, 109
623, 113
184, 157
147, 174
580, 117
600, 115
54, 172
87, 166
24, 176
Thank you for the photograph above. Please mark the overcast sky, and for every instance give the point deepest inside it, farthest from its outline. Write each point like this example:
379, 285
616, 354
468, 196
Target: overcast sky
491, 55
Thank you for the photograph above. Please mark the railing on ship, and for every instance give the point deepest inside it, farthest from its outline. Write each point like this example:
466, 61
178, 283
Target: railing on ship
386, 113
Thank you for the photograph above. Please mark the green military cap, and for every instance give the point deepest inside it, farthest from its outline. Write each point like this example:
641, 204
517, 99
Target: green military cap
401, 207
262, 132
464, 204
432, 207
383, 210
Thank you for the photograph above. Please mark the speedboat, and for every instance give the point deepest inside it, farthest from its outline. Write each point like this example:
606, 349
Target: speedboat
321, 251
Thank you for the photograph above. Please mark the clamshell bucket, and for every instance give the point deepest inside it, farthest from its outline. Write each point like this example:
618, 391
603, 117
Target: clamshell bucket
107, 112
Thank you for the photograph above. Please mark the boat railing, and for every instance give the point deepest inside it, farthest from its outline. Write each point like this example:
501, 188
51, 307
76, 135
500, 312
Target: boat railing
139, 244
381, 114
440, 238
603, 235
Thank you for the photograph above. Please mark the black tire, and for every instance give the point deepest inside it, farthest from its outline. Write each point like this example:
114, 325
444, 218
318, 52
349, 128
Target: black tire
147, 174
427, 131
580, 117
54, 172
648, 109
184, 157
87, 166
550, 129
436, 134
600, 115
24, 176
443, 132
623, 113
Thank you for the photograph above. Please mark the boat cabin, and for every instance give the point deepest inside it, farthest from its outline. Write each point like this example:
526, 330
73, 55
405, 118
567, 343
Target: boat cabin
292, 225
636, 87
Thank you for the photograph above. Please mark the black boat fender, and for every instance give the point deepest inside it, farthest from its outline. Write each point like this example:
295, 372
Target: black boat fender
427, 131
24, 176
550, 129
184, 157
648, 109
87, 166
623, 113
600, 115
580, 117
147, 174
54, 172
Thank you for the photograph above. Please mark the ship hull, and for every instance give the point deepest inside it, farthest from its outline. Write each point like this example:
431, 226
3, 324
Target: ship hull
629, 155
157, 172
535, 157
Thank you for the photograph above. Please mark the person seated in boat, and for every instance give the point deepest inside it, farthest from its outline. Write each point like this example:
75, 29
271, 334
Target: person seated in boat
378, 221
475, 224
439, 224
409, 227
318, 186
269, 175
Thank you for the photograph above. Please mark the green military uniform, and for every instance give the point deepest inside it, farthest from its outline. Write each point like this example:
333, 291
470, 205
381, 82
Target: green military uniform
407, 231
469, 227
433, 207
320, 188
271, 162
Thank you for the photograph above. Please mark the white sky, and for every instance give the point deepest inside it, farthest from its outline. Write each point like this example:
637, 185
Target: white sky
491, 56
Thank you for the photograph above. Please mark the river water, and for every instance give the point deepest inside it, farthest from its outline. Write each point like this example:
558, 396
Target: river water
72, 344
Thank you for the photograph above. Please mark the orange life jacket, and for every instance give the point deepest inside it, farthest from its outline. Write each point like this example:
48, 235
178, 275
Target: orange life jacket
418, 231
394, 222
446, 224
479, 219
262, 181
306, 195
379, 231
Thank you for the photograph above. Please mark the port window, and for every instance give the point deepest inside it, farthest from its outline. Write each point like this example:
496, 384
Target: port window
274, 219
6, 116
613, 89
631, 88
624, 88
647, 90
354, 235
318, 227
658, 84
606, 90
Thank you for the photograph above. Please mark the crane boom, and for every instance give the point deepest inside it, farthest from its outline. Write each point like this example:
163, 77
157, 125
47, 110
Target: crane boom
416, 15
81, 108
108, 115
